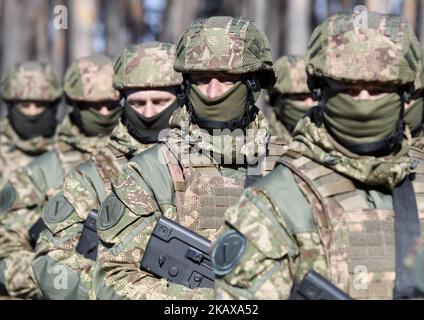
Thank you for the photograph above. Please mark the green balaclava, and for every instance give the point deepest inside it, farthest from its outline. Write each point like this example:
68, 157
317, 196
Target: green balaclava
363, 126
29, 127
93, 123
414, 116
291, 111
146, 129
218, 112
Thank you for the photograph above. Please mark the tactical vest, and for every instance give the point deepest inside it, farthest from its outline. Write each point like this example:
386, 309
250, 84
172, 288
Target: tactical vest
202, 193
47, 172
358, 241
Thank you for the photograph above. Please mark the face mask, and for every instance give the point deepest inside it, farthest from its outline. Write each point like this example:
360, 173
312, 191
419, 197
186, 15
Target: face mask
93, 123
28, 127
358, 122
229, 106
414, 115
291, 112
146, 129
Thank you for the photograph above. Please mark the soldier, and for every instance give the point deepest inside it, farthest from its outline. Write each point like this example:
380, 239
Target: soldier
290, 98
224, 61
343, 199
32, 92
149, 86
88, 87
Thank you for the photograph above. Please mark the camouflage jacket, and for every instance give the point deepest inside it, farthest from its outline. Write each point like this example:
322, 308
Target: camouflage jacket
15, 152
277, 129
83, 190
27, 190
178, 179
319, 209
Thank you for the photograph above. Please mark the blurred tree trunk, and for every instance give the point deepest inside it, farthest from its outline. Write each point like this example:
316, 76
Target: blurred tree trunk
18, 32
421, 21
178, 15
275, 27
381, 6
58, 51
135, 12
42, 21
116, 36
2, 109
298, 14
82, 14
410, 12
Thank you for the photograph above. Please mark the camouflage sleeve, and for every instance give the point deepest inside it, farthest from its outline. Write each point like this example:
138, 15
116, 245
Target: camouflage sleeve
60, 271
19, 203
16, 254
27, 192
261, 265
125, 224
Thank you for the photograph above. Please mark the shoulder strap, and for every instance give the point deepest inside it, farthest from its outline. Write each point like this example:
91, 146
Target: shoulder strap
407, 231
156, 173
331, 187
46, 171
89, 170
175, 169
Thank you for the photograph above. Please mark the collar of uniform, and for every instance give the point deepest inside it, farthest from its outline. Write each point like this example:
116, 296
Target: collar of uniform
316, 144
71, 135
121, 140
33, 146
195, 137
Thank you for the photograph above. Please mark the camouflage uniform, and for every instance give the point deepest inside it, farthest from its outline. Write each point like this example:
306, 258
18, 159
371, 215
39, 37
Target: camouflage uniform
179, 178
414, 117
323, 207
29, 81
146, 66
32, 185
291, 81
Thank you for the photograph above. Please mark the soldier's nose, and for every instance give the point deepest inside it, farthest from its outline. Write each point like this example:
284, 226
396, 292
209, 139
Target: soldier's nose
364, 94
214, 89
32, 109
104, 111
149, 109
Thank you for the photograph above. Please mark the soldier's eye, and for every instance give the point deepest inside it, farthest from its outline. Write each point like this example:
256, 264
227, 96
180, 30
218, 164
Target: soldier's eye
138, 103
160, 102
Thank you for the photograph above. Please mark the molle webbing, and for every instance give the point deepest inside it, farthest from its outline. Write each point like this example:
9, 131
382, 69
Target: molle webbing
202, 193
356, 237
89, 169
46, 172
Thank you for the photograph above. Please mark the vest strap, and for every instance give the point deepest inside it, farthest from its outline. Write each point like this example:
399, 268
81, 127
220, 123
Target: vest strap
407, 231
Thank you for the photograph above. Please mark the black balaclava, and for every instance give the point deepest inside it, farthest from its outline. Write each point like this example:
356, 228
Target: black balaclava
146, 129
29, 127
92, 123
252, 89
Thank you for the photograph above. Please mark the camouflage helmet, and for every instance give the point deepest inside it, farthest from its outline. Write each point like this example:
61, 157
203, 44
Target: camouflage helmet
90, 79
226, 44
383, 49
31, 81
291, 75
147, 65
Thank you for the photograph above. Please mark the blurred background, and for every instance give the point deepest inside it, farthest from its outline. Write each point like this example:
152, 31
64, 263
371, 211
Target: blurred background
29, 28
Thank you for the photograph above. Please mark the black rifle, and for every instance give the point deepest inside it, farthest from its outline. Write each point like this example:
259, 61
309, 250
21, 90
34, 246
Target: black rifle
316, 287
89, 240
178, 255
